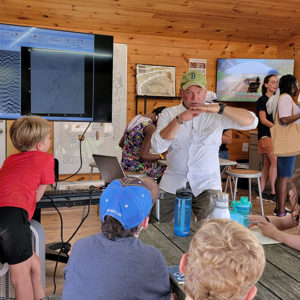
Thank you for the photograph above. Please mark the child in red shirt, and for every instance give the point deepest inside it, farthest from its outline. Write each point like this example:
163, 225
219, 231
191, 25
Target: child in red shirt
23, 180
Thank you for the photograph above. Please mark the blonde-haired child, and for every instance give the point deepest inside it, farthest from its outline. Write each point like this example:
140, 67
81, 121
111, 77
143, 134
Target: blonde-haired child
23, 180
224, 261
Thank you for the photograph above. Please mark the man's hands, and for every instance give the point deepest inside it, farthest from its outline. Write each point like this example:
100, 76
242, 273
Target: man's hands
189, 114
194, 111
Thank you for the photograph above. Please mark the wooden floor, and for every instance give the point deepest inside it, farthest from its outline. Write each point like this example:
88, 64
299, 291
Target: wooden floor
72, 217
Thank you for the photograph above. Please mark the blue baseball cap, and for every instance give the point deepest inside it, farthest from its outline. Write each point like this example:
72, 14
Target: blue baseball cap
129, 200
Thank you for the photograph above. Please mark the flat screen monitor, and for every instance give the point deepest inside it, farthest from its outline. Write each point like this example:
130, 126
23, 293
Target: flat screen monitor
240, 80
60, 75
57, 84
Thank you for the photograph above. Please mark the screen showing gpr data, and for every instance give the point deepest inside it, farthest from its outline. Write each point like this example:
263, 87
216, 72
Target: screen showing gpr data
65, 57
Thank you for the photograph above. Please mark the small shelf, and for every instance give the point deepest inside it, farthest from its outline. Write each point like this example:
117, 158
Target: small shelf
145, 97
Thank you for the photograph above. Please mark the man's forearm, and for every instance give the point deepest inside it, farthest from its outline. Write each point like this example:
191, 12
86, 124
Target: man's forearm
169, 132
240, 116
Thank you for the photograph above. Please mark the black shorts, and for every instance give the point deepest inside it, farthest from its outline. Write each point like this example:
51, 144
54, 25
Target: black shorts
15, 235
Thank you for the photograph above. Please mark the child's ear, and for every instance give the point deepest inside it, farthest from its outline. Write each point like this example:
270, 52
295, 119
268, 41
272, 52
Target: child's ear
251, 294
183, 263
38, 146
145, 223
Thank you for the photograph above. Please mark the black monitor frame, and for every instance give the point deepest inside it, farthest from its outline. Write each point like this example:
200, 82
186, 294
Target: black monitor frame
103, 78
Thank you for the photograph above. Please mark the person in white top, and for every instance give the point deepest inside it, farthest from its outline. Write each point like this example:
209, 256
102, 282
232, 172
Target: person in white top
288, 112
192, 133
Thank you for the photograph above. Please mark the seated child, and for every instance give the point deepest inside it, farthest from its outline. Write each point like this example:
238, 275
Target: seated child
23, 180
274, 227
114, 264
224, 261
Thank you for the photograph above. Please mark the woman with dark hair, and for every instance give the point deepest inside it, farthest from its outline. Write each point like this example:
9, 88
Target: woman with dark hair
265, 122
136, 144
288, 112
275, 227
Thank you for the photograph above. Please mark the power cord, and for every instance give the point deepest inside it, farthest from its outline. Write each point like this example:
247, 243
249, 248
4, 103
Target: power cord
81, 138
65, 247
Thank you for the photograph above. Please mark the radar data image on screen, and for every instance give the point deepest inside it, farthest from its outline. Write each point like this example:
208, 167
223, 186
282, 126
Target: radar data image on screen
240, 80
57, 82
10, 97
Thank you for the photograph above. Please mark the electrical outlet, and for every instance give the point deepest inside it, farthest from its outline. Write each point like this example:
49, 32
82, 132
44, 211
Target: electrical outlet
245, 147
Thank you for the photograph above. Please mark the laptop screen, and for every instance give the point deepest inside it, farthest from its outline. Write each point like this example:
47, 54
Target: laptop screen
109, 167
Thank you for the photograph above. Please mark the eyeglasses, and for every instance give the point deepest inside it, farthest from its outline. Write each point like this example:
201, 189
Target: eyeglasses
273, 82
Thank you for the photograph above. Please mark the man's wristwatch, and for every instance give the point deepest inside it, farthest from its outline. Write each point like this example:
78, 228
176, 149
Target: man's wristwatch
221, 110
178, 121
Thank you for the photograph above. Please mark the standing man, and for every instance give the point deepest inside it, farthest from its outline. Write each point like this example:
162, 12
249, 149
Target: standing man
191, 132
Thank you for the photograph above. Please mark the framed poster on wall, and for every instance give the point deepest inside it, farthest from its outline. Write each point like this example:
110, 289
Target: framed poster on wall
152, 80
198, 64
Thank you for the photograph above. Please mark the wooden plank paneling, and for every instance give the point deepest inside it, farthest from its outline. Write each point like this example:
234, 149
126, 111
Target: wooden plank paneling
234, 20
177, 51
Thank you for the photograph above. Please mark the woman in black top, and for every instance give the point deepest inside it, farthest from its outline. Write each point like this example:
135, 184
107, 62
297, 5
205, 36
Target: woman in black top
265, 122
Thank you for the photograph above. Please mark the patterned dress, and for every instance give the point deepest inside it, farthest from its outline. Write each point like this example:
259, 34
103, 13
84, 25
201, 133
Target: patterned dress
133, 142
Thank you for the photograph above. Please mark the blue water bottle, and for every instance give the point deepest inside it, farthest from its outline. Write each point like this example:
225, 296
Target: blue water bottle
243, 207
183, 210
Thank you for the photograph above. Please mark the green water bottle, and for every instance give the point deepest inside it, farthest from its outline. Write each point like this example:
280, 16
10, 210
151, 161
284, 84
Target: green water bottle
243, 207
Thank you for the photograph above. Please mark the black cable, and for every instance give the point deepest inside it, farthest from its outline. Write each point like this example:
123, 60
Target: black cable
65, 246
80, 154
61, 235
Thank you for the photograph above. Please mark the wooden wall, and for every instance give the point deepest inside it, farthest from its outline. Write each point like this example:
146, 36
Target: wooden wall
291, 49
176, 52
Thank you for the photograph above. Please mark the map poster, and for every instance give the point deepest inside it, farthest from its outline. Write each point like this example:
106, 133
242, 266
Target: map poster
154, 80
198, 64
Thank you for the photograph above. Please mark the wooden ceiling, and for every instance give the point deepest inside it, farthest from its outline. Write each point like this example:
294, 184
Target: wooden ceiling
258, 21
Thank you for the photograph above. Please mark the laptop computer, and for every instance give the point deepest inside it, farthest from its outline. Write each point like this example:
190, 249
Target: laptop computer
109, 167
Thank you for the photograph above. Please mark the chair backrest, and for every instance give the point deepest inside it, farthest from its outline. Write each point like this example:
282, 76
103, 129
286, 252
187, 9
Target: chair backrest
38, 245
